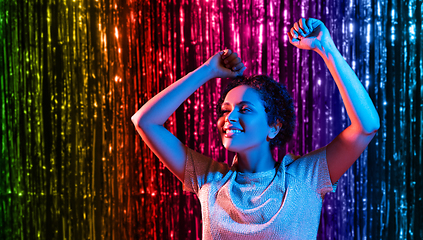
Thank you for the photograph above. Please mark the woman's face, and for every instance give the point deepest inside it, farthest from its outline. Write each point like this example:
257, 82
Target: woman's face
243, 113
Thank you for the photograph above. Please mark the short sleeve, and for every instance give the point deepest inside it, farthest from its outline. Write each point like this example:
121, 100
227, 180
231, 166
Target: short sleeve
312, 169
200, 170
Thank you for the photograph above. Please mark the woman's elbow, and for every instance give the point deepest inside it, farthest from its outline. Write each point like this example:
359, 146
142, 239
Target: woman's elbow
374, 125
136, 120
141, 121
373, 128
377, 123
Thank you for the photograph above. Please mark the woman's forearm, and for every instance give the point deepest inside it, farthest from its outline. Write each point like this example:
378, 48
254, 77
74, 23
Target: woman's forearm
357, 102
159, 108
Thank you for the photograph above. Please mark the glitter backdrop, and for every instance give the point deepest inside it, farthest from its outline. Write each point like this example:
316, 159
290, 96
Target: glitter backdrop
74, 72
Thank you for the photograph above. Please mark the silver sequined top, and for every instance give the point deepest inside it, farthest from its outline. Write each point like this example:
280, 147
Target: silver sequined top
282, 203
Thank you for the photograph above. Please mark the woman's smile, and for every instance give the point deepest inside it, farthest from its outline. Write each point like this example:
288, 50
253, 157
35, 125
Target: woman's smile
229, 133
231, 130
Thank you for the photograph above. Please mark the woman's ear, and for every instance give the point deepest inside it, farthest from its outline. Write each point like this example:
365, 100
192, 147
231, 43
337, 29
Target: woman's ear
274, 130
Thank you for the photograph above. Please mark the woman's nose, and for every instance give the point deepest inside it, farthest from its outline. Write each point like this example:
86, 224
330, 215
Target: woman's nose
232, 116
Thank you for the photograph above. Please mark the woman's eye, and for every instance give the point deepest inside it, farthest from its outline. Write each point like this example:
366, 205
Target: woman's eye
242, 110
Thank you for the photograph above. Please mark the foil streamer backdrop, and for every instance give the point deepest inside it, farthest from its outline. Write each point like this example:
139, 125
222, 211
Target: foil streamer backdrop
74, 72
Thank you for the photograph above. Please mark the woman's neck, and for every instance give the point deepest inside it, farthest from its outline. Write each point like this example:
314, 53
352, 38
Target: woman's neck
255, 160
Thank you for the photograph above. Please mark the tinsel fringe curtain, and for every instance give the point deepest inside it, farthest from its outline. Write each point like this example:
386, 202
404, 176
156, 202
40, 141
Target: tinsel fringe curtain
74, 72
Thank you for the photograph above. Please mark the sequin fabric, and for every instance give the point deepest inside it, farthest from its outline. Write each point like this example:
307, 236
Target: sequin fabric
282, 203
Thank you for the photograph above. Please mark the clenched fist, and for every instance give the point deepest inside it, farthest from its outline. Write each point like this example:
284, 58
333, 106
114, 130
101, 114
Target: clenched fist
225, 64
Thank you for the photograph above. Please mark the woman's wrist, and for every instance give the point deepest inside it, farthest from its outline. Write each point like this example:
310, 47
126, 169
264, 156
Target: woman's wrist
326, 48
206, 71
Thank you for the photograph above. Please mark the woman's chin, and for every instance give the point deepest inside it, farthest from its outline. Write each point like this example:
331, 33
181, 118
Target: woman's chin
231, 147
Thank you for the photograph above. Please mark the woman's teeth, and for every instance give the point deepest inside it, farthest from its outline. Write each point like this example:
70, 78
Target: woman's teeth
233, 131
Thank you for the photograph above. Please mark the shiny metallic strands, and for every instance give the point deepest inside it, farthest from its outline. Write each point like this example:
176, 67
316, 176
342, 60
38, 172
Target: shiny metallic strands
74, 72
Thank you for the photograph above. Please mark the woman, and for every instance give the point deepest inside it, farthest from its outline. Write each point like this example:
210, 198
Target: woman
257, 198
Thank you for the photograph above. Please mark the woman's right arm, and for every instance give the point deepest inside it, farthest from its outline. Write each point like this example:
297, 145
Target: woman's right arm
149, 119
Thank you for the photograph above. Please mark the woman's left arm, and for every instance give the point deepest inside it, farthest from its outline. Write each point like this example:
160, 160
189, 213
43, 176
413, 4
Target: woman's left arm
345, 149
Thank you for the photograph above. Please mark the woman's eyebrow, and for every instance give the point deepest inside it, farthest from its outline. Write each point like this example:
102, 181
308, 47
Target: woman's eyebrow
240, 103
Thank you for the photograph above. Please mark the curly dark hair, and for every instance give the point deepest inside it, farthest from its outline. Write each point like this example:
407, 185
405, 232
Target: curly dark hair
277, 102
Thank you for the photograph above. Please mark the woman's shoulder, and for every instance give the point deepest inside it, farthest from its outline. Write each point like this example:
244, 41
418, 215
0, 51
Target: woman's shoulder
296, 164
205, 163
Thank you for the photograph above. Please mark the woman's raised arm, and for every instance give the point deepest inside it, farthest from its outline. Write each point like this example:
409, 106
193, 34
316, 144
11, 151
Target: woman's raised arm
343, 151
149, 119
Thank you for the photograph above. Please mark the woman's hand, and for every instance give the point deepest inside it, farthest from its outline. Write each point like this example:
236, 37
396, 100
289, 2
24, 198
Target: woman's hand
309, 34
225, 64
